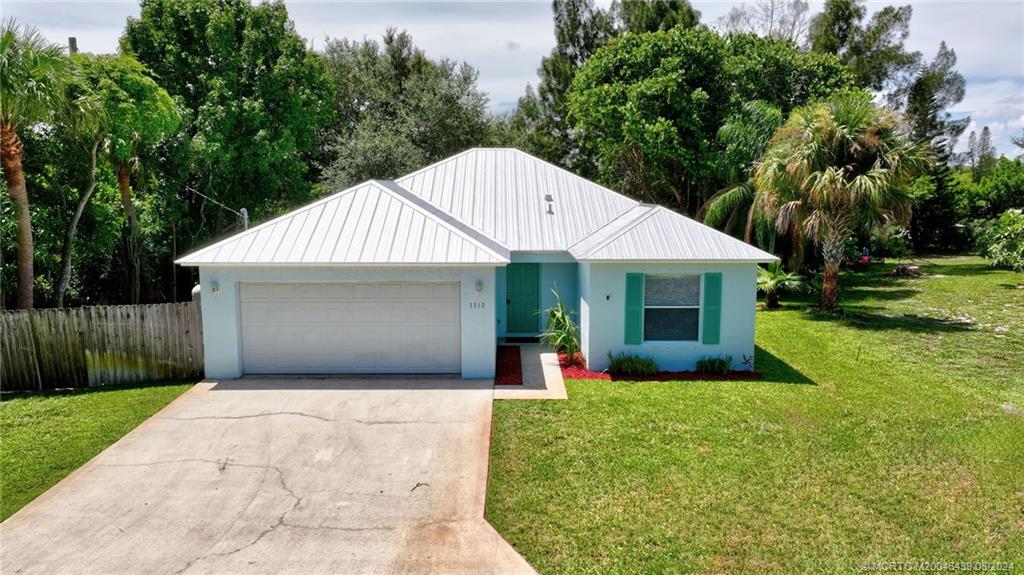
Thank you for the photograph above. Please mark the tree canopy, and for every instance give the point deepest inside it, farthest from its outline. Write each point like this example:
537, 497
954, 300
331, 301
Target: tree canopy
397, 110
257, 96
650, 106
874, 50
216, 105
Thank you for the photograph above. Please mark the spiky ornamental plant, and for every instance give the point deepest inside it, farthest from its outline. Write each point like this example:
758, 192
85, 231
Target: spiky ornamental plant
836, 167
562, 333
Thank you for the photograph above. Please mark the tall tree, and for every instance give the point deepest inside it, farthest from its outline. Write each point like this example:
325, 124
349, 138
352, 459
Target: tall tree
141, 114
31, 77
638, 16
397, 110
980, 156
86, 123
580, 29
783, 19
873, 50
986, 154
257, 97
934, 88
649, 106
924, 100
838, 167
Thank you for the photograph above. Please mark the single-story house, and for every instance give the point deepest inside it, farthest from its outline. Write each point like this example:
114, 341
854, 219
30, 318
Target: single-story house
428, 273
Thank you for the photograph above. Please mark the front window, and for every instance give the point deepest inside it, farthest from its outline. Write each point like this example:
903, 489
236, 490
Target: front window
672, 308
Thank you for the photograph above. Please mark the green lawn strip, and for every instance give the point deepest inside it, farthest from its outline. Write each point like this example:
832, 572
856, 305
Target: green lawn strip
894, 446
45, 437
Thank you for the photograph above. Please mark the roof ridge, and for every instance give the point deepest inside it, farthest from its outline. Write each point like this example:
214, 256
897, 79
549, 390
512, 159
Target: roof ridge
571, 174
651, 209
471, 233
528, 155
434, 165
686, 221
721, 233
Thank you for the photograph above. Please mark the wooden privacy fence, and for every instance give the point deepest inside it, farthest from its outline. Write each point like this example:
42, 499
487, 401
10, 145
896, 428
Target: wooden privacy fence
100, 345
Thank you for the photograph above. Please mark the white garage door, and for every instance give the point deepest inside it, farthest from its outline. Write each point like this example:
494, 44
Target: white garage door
393, 327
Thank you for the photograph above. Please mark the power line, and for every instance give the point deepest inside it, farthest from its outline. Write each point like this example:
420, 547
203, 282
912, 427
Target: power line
243, 213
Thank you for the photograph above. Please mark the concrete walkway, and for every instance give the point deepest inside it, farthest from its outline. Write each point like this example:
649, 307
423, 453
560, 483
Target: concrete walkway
542, 377
280, 476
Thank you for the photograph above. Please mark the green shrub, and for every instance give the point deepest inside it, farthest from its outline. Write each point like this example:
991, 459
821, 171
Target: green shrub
562, 333
721, 365
773, 281
623, 363
1001, 240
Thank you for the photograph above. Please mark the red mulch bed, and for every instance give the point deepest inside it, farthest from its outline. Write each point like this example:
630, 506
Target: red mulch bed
576, 369
509, 368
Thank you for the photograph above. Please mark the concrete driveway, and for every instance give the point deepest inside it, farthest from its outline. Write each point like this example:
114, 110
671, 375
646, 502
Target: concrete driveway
280, 476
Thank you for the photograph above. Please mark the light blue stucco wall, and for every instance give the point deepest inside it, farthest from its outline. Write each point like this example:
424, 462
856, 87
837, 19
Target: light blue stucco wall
602, 290
556, 270
221, 318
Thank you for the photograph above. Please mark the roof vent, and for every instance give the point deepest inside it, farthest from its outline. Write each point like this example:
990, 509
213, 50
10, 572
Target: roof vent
548, 198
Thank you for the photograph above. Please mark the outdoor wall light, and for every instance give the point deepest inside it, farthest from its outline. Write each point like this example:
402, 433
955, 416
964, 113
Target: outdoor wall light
478, 286
215, 288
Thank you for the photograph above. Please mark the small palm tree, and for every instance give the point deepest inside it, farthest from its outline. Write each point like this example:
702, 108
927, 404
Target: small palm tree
773, 281
836, 167
31, 89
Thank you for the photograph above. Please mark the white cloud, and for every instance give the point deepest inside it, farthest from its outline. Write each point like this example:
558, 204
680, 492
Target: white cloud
998, 104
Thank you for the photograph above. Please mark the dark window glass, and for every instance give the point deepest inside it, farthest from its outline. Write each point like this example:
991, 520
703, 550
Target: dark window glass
671, 324
672, 291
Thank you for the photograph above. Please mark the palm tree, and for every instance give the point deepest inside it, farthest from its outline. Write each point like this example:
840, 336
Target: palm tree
837, 167
773, 281
31, 71
745, 136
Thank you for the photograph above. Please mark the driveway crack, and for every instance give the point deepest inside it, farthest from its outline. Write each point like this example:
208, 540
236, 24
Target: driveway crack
311, 416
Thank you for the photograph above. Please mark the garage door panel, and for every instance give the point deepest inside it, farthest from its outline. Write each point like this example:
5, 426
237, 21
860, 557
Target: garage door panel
410, 327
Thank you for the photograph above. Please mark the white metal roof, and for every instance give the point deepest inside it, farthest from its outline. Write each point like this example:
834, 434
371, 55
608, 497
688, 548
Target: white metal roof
501, 192
473, 208
372, 223
654, 233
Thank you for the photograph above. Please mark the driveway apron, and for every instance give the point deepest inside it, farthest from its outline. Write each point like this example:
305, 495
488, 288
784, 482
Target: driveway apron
280, 476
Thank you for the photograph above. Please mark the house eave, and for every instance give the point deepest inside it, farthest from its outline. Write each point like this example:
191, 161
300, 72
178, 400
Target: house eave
681, 261
342, 264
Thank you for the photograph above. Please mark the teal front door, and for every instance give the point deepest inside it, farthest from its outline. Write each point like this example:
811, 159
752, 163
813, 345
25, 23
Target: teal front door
523, 298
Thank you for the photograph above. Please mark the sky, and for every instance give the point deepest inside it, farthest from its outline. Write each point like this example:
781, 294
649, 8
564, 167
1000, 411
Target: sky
505, 40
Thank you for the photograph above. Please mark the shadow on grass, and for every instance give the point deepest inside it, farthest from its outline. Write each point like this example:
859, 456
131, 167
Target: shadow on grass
774, 370
876, 293
20, 394
870, 318
964, 269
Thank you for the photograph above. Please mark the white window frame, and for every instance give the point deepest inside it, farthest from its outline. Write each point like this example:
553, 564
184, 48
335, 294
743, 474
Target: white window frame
699, 307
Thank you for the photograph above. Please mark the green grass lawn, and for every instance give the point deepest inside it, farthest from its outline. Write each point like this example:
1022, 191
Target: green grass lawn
45, 437
894, 433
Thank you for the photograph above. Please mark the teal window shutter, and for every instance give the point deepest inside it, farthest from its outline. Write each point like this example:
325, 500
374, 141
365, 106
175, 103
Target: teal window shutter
634, 309
712, 308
